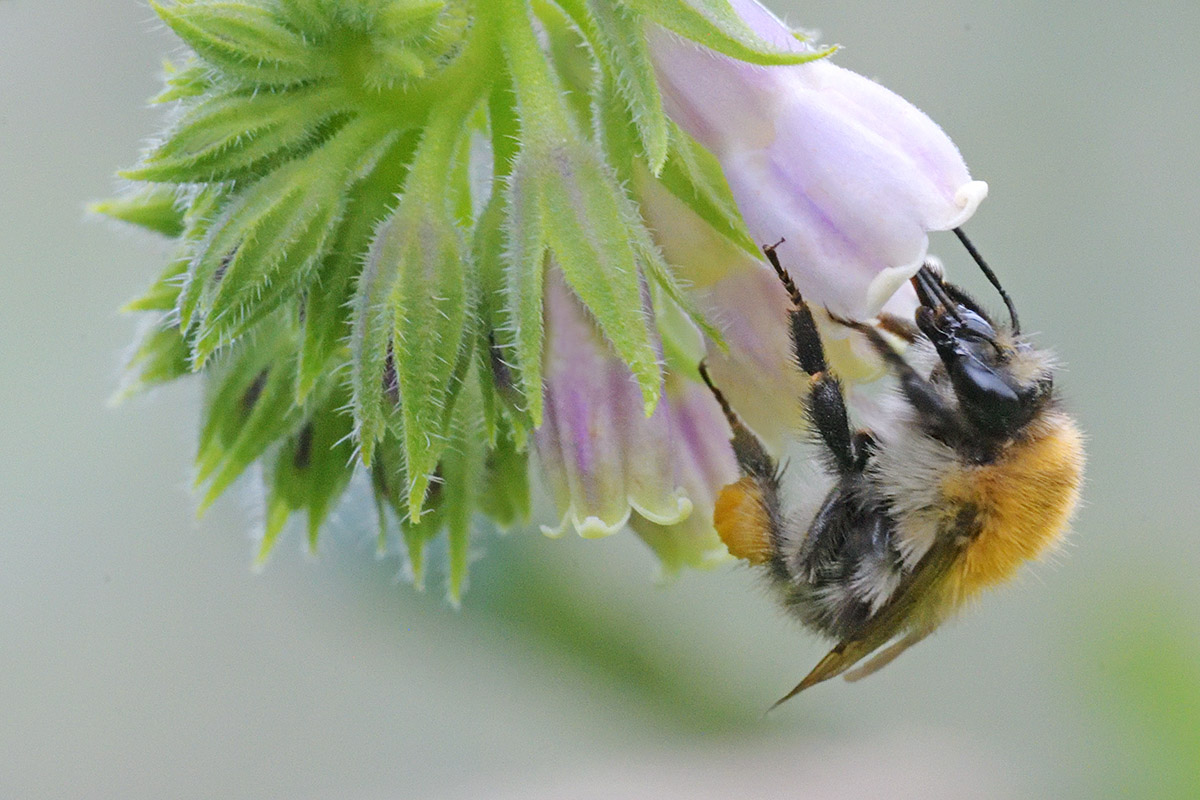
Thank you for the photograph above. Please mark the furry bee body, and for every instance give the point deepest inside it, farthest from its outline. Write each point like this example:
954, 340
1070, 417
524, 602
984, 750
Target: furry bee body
973, 470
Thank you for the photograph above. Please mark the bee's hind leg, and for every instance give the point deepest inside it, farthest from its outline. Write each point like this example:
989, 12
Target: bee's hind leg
747, 513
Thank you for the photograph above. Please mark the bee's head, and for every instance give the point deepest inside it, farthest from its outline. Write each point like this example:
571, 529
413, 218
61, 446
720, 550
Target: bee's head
999, 380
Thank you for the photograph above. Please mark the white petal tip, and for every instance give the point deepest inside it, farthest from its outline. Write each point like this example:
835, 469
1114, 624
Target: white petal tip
675, 510
596, 528
967, 198
887, 282
554, 533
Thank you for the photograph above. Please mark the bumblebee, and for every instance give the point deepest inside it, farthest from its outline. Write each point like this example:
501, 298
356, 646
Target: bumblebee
973, 469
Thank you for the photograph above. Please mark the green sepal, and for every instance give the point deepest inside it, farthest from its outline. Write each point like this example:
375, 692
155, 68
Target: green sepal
310, 16
248, 408
161, 356
409, 18
191, 79
417, 536
412, 302
230, 135
682, 343
462, 473
566, 203
496, 343
163, 294
246, 41
326, 326
410, 314
310, 471
616, 131
622, 35
412, 38
505, 495
570, 45
389, 481
153, 208
487, 248
269, 240
524, 280
715, 24
694, 176
664, 278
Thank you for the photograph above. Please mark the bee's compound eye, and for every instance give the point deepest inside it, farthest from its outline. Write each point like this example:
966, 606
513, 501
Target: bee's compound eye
990, 401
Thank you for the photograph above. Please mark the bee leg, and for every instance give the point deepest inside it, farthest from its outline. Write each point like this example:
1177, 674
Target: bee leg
941, 416
746, 514
752, 456
826, 404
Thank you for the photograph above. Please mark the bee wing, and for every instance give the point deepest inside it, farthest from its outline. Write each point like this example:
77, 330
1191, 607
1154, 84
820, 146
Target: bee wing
886, 656
887, 623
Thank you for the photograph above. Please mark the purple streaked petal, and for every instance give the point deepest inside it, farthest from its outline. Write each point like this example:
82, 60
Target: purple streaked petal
850, 174
602, 456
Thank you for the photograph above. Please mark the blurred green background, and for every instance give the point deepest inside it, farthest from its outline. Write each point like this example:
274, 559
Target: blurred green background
141, 657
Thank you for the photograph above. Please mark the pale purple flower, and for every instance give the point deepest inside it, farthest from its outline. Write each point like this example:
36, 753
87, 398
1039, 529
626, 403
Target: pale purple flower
852, 175
605, 461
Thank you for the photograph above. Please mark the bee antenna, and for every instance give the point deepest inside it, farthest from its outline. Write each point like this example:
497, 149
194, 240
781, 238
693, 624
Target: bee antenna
991, 276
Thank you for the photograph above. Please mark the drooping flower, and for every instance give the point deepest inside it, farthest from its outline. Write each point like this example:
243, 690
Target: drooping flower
605, 461
851, 175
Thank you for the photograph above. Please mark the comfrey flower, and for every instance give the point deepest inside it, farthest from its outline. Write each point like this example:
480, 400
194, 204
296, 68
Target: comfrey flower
605, 460
849, 174
455, 243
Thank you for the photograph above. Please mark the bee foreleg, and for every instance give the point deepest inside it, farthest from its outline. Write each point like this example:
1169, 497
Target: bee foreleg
917, 390
825, 403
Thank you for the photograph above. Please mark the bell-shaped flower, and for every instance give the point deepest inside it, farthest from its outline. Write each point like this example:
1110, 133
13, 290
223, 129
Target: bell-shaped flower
605, 461
755, 369
851, 175
703, 464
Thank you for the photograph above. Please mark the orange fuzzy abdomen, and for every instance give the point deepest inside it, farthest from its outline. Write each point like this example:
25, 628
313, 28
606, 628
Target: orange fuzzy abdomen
1023, 504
